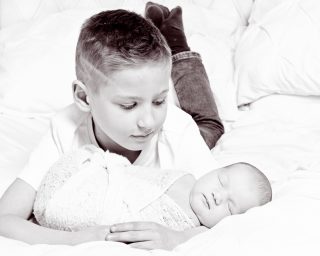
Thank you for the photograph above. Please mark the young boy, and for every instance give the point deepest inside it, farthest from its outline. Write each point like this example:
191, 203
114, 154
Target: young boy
89, 187
123, 66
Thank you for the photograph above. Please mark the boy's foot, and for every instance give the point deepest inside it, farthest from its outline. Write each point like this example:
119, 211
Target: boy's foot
170, 25
156, 13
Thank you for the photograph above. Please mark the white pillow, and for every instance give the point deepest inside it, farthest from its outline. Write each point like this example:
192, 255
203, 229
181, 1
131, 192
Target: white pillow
37, 63
37, 57
279, 53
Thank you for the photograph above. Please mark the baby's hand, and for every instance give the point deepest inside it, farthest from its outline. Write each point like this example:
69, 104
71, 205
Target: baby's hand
145, 235
95, 233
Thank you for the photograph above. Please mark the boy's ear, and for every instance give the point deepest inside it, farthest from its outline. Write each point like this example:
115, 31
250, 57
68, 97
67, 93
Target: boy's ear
80, 95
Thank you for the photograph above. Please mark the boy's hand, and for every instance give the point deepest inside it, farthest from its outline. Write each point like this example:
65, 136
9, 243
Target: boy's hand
146, 235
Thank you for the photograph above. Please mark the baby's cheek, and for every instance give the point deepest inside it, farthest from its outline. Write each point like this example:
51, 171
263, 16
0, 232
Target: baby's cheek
216, 215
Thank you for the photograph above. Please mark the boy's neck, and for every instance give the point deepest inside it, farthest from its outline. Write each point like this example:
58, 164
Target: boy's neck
131, 155
116, 149
106, 143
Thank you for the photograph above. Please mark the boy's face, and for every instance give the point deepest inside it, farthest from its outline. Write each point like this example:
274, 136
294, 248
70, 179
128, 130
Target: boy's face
223, 192
131, 108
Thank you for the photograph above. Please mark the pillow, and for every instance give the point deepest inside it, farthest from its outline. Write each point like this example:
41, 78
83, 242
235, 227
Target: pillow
37, 63
37, 57
279, 52
15, 11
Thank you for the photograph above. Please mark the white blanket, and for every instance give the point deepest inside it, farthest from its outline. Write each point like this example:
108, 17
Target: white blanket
278, 133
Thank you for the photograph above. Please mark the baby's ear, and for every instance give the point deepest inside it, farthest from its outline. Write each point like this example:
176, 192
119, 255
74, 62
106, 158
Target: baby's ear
80, 96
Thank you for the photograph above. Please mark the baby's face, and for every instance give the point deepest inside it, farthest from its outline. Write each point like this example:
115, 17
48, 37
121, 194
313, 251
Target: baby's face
223, 192
132, 107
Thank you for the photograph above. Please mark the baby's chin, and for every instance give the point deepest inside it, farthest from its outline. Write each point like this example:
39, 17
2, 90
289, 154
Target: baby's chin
196, 218
206, 221
207, 224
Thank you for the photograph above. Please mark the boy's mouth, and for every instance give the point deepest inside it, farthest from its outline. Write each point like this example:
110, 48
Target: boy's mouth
142, 136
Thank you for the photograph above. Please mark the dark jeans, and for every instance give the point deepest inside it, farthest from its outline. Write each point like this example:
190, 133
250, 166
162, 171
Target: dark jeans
195, 96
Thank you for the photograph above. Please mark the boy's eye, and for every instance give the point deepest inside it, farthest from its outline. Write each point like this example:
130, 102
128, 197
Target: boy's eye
159, 102
128, 106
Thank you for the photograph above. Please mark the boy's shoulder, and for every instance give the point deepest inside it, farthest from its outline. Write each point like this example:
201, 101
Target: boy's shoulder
68, 116
71, 128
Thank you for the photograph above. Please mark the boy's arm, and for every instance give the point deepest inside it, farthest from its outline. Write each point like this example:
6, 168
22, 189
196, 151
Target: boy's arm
14, 223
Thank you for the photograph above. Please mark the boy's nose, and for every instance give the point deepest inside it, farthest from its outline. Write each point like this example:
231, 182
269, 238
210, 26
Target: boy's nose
144, 126
146, 121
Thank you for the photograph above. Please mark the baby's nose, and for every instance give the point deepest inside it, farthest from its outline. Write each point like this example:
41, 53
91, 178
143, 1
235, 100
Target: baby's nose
220, 197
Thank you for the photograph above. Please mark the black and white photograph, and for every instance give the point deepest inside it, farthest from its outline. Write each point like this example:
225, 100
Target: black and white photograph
165, 128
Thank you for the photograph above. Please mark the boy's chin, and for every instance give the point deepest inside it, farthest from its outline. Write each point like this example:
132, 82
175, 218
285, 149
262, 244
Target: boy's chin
137, 147
139, 144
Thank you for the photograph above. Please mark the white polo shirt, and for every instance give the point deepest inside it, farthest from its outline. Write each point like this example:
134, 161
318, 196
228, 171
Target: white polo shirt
178, 145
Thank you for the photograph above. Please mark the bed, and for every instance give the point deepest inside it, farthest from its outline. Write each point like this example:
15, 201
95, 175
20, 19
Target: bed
262, 59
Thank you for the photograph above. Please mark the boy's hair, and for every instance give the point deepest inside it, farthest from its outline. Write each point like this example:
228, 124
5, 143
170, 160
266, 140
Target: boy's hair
116, 40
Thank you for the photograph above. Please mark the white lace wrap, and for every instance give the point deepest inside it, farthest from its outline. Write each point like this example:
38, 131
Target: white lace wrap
91, 187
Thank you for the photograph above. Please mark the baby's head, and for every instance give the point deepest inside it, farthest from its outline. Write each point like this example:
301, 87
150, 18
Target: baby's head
123, 67
228, 191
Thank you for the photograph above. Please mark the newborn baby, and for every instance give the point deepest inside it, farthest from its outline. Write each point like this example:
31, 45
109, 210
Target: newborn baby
90, 187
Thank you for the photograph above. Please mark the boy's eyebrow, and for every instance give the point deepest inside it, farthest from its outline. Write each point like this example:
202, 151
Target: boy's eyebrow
127, 98
164, 91
137, 97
